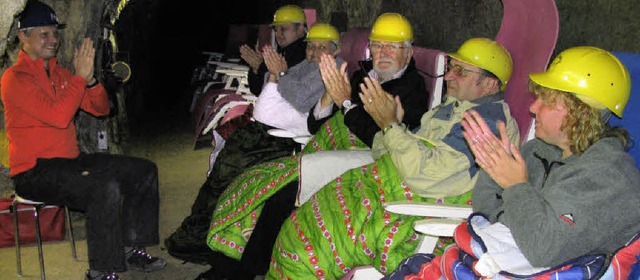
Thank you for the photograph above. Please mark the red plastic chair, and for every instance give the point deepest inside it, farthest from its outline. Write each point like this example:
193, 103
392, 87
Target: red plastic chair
310, 15
431, 65
529, 31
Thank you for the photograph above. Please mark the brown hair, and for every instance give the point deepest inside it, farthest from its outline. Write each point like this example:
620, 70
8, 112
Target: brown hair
583, 124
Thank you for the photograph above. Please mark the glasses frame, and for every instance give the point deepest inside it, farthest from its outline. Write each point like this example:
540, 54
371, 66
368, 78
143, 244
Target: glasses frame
311, 47
459, 70
377, 48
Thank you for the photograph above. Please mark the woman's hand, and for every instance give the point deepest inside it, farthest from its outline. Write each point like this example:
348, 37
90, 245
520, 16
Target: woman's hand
498, 157
274, 61
336, 81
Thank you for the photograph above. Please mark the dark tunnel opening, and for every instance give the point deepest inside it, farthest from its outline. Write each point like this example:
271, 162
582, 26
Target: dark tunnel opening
164, 40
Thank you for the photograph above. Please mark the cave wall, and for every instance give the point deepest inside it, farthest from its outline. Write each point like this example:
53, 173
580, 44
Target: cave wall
444, 24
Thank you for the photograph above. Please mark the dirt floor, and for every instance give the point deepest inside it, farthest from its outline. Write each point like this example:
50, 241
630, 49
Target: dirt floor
169, 143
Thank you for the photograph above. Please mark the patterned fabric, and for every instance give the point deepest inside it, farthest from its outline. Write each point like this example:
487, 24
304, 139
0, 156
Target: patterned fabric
456, 263
625, 263
334, 135
349, 227
241, 204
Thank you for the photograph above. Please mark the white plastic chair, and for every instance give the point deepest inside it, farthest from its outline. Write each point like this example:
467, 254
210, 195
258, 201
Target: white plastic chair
231, 72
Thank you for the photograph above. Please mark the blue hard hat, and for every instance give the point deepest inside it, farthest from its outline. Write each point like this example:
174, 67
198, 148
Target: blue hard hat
38, 14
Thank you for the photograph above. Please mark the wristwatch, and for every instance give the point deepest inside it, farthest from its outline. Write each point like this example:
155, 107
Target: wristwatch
281, 74
347, 105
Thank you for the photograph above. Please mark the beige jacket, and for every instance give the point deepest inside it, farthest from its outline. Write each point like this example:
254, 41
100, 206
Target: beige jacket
436, 161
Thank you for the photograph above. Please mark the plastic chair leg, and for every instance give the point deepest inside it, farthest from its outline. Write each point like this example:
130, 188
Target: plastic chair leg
39, 240
16, 232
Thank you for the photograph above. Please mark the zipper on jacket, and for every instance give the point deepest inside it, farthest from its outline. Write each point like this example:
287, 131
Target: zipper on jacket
547, 167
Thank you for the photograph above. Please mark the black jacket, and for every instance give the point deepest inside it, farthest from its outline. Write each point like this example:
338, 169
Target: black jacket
294, 53
413, 95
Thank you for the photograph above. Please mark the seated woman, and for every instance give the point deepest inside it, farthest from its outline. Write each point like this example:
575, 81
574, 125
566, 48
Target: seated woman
571, 192
345, 225
287, 97
285, 101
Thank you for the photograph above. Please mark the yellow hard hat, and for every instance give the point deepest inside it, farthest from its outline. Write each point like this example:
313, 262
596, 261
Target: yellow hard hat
323, 32
288, 14
391, 27
488, 55
594, 75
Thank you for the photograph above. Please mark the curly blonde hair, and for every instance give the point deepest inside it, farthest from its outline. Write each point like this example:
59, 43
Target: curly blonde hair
582, 124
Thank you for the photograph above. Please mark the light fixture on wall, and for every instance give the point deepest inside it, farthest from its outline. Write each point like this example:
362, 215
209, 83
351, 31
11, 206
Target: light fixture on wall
121, 70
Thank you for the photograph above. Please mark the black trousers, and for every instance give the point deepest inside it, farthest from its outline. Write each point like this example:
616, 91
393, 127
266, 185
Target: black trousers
257, 254
119, 195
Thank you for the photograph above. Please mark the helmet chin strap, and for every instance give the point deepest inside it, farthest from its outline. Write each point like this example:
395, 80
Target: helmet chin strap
605, 115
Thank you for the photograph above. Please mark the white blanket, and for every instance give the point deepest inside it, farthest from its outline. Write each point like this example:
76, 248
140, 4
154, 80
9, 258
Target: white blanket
320, 168
271, 109
502, 253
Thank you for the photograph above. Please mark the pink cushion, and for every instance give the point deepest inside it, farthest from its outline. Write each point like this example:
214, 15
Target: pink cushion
234, 112
203, 103
426, 62
353, 47
207, 105
264, 35
310, 14
529, 31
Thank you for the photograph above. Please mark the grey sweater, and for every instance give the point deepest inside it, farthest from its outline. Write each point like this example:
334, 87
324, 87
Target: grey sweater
570, 207
302, 86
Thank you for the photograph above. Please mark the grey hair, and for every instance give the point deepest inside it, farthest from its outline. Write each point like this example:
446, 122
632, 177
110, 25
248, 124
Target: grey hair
407, 46
487, 74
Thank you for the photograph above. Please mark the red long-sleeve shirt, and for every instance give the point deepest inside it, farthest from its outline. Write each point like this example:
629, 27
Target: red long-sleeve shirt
39, 110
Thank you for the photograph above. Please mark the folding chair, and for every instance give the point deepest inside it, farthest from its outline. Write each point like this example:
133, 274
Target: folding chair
37, 206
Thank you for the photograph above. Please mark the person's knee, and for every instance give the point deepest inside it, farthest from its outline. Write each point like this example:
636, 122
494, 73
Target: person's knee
109, 196
145, 166
112, 191
149, 173
143, 169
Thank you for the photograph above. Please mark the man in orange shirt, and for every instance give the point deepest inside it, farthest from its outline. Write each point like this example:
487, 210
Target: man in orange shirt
119, 194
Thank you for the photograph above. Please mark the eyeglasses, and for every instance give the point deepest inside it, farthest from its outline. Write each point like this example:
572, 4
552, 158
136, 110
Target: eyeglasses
459, 70
376, 48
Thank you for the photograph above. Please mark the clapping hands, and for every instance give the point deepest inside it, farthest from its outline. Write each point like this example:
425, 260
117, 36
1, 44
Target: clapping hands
83, 60
383, 107
498, 157
336, 81
252, 56
274, 61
